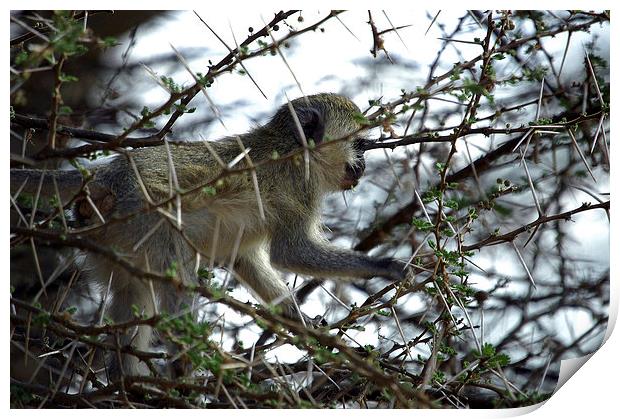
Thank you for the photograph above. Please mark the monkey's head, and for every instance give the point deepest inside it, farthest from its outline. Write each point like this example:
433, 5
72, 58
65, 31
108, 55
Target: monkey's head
325, 118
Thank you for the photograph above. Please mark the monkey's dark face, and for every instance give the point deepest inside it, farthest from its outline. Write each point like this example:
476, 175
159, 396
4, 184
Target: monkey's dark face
320, 117
354, 169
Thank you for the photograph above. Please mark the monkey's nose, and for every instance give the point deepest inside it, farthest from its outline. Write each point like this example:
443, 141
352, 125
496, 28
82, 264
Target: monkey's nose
356, 172
351, 177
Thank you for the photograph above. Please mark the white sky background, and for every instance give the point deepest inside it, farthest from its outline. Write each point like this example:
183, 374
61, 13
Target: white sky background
322, 54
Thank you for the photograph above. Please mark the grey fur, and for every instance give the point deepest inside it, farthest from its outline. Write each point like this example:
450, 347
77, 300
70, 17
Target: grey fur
289, 237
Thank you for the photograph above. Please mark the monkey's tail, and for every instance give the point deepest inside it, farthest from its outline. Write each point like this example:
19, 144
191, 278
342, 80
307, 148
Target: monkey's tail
27, 181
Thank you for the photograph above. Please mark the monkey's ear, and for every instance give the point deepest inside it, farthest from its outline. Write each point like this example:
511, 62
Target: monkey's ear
312, 123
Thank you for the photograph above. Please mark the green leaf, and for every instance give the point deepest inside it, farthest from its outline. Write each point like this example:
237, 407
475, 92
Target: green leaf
66, 78
65, 110
209, 190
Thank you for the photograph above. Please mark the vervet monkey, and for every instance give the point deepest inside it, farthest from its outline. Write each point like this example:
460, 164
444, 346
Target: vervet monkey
227, 217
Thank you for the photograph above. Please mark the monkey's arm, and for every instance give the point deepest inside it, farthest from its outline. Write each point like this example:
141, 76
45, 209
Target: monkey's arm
253, 268
301, 249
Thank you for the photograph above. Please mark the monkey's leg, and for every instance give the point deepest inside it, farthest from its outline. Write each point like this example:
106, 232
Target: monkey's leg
175, 303
168, 250
254, 269
131, 294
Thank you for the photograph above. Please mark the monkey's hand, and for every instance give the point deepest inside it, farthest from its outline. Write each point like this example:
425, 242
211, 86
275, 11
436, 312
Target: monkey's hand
290, 312
293, 314
315, 322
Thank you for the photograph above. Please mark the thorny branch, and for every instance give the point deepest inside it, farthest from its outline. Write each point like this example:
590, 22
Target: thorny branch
443, 211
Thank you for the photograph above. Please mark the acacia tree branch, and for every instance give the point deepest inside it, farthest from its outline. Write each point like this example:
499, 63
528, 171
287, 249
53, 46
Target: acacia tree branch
492, 240
111, 142
403, 216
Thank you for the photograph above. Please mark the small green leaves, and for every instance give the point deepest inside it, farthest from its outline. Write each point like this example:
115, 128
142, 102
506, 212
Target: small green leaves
244, 50
451, 203
42, 319
65, 110
171, 271
146, 115
361, 119
204, 80
472, 213
180, 107
109, 42
535, 74
21, 58
439, 377
136, 310
541, 121
170, 84
490, 358
422, 92
66, 78
456, 74
209, 190
422, 224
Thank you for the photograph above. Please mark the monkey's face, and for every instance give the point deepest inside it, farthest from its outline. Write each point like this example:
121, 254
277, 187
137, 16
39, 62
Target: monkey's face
326, 117
354, 169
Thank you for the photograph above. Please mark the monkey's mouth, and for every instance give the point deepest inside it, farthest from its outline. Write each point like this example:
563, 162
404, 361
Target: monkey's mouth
352, 175
346, 183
